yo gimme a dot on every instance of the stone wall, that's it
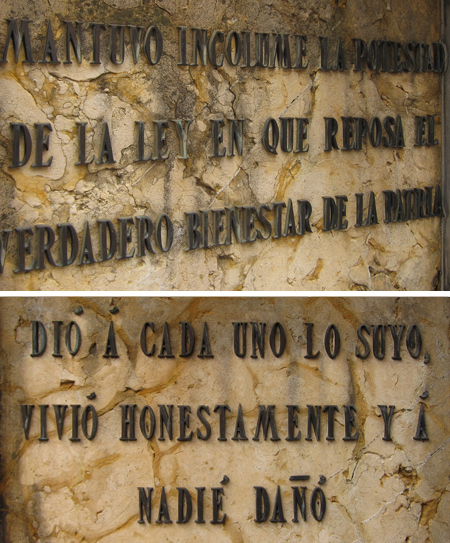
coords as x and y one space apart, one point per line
381 477
344 250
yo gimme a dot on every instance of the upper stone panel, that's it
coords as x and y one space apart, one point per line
220 146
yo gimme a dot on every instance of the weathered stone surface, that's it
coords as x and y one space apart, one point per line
375 490
394 256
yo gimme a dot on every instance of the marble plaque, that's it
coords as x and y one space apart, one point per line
185 419
191 145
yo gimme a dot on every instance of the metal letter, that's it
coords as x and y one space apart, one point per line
107 226
318 496
217 494
331 129
182 132
106 147
50 47
147 429
60 415
205 347
292 425
163 516
166 347
165 421
266 416
184 498
278 515
111 349
128 422
19 128
184 423
113 43
27 411
349 423
331 410
363 328
125 237
238 351
73 350
182 46
153 34
96 27
387 417
18 38
66 231
86 248
145 505
38 338
144 231
199 41
135 40
396 336
82 146
44 246
313 422
41 144
43 410
229 48
271 126
262 504
421 431
73 37
169 233
277 327
414 341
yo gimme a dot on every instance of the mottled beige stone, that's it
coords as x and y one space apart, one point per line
375 490
395 256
